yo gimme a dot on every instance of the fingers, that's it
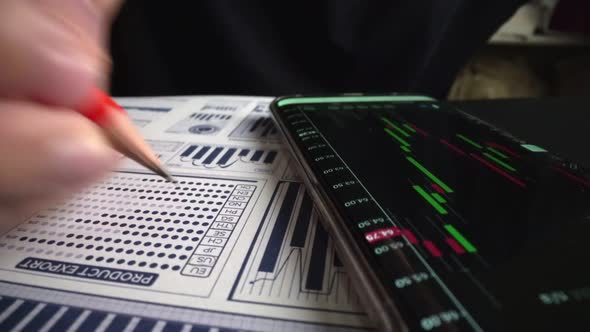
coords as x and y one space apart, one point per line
109 8
52 50
53 53
47 153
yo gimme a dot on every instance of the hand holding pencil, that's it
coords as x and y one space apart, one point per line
53 56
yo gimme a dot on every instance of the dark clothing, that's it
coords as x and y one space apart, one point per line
258 47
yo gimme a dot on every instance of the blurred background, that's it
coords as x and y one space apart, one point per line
543 50
257 48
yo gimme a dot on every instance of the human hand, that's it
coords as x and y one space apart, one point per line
52 54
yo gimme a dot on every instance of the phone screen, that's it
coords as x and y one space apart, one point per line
465 225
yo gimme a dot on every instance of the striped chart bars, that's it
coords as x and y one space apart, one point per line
210 116
27 315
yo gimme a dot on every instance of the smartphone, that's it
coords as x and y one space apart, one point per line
443 221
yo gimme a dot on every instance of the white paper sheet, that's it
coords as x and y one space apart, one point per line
236 245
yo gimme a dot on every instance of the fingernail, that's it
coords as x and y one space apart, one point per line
77 162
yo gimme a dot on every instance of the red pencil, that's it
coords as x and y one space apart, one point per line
125 138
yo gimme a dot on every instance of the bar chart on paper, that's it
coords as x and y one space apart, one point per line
228 158
258 125
292 261
201 124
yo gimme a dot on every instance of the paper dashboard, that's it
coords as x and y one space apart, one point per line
235 245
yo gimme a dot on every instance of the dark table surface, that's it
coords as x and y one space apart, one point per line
560 125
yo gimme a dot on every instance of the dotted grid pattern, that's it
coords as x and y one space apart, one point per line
131 220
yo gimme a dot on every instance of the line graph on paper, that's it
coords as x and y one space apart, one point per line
226 158
292 262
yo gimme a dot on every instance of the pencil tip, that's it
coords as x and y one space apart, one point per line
163 173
